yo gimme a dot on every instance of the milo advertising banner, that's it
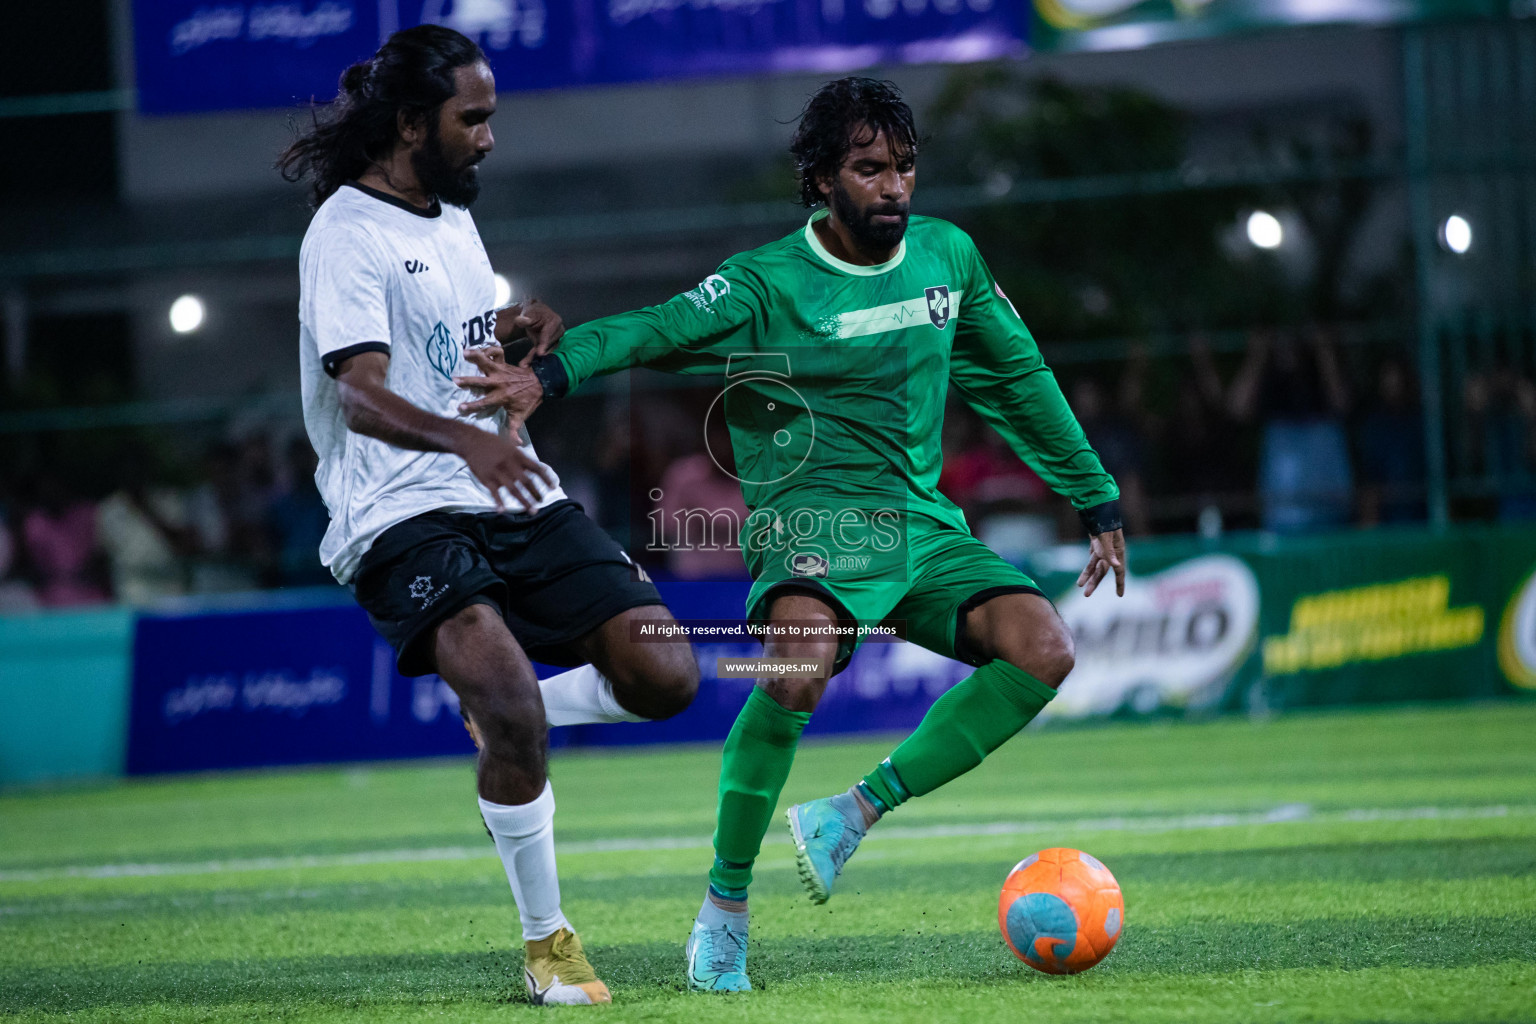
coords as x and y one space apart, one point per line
1517 636
1265 624
1181 637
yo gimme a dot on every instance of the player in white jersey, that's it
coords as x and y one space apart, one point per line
459 543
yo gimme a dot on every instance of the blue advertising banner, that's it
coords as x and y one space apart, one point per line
246 688
1384 615
200 55
191 55
284 686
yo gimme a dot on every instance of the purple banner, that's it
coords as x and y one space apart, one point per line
199 55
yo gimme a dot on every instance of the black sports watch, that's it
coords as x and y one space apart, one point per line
552 376
1099 519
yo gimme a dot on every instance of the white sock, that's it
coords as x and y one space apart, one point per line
525 838
582 696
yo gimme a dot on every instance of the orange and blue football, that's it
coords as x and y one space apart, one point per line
1061 911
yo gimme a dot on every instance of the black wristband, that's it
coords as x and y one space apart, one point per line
1101 518
552 376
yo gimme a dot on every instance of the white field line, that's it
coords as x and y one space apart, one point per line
1285 814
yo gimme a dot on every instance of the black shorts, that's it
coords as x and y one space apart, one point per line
554 575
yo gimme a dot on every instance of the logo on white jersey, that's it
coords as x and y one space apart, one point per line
442 351
938 305
416 267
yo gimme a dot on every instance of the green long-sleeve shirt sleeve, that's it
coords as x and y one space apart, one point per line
694 332
997 367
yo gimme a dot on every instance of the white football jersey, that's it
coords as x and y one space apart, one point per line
378 275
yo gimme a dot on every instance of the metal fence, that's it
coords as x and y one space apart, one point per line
1467 174
1469 94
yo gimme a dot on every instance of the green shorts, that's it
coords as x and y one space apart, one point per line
947 573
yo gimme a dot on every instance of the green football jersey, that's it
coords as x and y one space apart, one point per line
834 384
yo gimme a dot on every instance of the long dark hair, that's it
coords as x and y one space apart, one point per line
412 72
846 113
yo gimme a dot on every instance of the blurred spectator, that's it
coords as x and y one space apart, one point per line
1297 393
637 443
297 522
958 431
1392 450
985 474
253 519
1203 465
210 509
610 476
15 594
1004 502
146 537
1501 413
1116 433
702 511
212 504
256 487
59 542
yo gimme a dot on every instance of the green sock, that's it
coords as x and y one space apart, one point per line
977 715
756 761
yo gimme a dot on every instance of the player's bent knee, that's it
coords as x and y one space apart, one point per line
679 684
1049 655
794 693
798 691
824 651
669 687
506 725
1057 657
655 680
467 623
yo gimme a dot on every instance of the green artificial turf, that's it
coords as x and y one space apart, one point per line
1350 866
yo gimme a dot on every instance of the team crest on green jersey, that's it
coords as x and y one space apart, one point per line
938 305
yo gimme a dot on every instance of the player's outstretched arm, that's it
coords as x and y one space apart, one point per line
692 333
997 367
502 385
373 410
531 320
1018 395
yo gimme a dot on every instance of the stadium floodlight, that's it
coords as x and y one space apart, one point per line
1456 234
187 314
1264 230
503 291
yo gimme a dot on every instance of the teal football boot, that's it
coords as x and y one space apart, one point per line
717 955
826 832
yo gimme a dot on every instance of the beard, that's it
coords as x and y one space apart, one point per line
861 224
456 185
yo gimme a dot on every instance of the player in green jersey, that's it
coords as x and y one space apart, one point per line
837 345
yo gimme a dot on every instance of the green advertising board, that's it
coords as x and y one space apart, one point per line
1126 24
1263 623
